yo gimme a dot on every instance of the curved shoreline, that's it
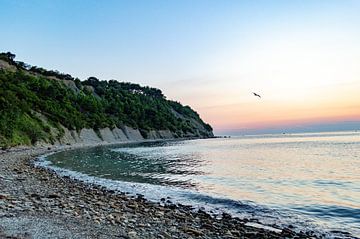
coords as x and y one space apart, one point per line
38 203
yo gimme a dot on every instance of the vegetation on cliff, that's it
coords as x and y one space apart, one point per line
28 94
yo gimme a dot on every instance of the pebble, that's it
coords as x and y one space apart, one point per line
61 197
132 234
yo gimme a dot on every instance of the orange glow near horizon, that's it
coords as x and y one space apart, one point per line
302 78
230 118
242 110
261 113
239 109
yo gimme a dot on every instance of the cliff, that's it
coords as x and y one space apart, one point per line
42 106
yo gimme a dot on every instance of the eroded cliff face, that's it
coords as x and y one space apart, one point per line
161 134
123 134
107 135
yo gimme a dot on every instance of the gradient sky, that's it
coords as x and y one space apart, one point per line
303 57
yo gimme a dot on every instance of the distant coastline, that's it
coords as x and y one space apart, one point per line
352 126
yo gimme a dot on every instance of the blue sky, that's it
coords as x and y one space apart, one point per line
208 54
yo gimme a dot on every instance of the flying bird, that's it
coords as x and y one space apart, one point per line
256 95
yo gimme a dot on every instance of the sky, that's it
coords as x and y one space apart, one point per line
302 57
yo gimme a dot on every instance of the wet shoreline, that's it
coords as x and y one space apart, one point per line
73 209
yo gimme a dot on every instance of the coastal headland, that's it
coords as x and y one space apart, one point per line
44 111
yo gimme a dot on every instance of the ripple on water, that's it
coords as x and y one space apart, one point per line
307 179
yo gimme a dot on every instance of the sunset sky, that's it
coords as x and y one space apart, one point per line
302 57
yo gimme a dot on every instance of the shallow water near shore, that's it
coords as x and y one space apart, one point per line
310 181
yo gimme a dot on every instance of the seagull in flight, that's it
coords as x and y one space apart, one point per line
256 95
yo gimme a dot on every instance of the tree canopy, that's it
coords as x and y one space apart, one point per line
32 91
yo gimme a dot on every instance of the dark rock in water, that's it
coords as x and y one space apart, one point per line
140 197
162 199
172 206
226 215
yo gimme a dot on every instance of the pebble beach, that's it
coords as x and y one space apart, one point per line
37 203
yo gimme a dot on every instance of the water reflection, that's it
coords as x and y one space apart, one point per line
143 163
316 174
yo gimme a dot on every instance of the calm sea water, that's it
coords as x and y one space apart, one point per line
311 181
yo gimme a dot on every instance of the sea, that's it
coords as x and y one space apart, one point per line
308 181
